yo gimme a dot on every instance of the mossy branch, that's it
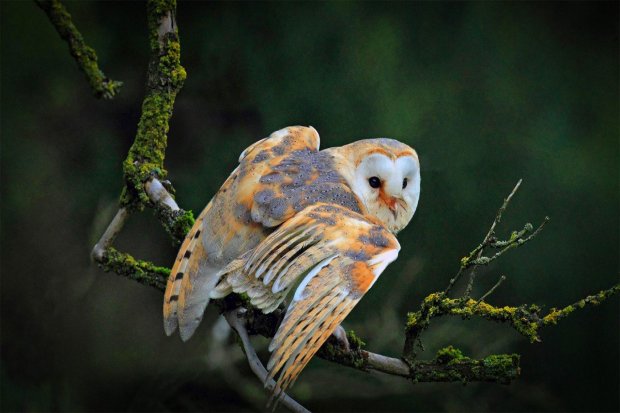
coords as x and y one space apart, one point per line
449 365
143 272
84 55
165 75
526 319
556 315
145 160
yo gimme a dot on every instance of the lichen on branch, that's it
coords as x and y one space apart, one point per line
556 315
165 77
177 223
450 365
144 163
125 265
84 55
526 319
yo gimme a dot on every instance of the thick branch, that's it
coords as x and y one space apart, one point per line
495 368
448 366
84 55
165 78
144 162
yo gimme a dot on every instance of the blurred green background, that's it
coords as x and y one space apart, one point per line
486 92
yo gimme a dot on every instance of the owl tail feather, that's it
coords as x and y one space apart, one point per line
189 284
199 280
175 280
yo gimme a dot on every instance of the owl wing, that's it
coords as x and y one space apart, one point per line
337 254
233 222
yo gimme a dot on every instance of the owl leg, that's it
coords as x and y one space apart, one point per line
341 335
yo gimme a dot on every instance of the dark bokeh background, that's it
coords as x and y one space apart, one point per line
486 92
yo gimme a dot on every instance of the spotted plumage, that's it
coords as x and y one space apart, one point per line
292 220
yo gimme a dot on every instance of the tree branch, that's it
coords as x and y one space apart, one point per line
165 75
449 365
236 320
85 56
145 160
125 265
525 319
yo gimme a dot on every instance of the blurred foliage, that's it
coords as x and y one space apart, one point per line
486 92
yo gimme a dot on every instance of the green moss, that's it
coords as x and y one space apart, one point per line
183 223
503 368
355 343
451 366
143 272
450 355
177 223
83 54
156 10
524 319
165 78
356 357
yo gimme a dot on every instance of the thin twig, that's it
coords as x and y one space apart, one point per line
165 78
514 242
556 315
488 239
85 56
501 210
488 293
237 322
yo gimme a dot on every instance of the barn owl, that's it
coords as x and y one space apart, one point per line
292 218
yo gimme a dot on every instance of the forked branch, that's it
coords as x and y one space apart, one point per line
526 319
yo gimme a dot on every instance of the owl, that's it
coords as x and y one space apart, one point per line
320 225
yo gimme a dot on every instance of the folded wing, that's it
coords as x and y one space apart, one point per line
233 223
331 256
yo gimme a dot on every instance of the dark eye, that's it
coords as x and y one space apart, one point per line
374 182
404 183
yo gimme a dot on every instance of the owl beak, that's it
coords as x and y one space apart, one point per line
390 201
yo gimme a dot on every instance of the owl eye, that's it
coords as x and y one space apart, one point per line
374 182
404 183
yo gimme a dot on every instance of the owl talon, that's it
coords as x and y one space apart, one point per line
341 336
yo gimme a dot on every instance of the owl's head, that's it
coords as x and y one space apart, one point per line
385 175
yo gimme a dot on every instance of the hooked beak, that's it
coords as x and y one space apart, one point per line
390 201
392 204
